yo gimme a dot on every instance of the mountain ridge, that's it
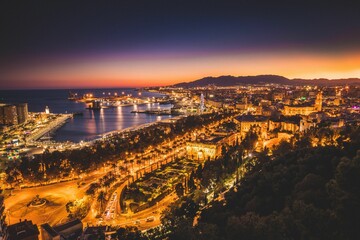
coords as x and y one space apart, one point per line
228 80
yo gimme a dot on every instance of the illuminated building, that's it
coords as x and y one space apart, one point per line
243 105
257 123
13 114
209 148
290 110
215 104
8 115
298 110
22 112
202 103
265 103
278 96
287 124
47 110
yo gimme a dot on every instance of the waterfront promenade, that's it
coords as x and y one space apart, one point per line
53 125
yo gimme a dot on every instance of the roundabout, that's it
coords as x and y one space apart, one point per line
37 202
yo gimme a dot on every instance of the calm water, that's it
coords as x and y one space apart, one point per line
92 123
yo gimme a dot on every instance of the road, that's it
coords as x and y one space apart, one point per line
140 219
123 219
57 195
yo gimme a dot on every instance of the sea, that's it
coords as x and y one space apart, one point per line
92 123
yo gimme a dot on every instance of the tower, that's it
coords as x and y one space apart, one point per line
22 112
47 110
202 103
318 102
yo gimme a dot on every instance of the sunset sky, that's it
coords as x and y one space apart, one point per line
81 44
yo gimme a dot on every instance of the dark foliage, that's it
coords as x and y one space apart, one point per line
306 193
67 163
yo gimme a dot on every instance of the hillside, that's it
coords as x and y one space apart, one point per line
261 79
304 193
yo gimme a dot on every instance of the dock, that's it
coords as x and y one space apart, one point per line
154 111
60 121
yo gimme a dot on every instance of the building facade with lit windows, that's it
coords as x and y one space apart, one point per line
210 148
285 123
11 114
290 110
257 123
22 112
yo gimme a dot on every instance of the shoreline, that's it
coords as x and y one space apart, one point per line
111 133
133 128
52 126
117 131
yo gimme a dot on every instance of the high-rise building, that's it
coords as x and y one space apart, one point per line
8 114
22 112
2 120
13 114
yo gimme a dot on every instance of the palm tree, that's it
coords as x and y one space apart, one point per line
126 161
132 164
16 174
10 180
113 165
101 199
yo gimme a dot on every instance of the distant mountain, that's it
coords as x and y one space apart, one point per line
225 81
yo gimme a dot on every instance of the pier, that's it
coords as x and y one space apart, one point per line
58 122
154 111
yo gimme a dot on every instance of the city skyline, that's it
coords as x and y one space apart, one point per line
172 120
61 45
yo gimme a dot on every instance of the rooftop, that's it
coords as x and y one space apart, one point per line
49 230
252 118
62 227
22 230
289 119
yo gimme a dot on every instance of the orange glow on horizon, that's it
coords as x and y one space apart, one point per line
158 71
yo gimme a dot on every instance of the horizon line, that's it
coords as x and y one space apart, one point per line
136 87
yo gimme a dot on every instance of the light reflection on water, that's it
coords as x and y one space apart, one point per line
92 123
96 122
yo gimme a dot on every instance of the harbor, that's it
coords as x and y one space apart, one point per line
154 111
52 125
114 99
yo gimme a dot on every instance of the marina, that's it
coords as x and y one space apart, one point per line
87 124
154 111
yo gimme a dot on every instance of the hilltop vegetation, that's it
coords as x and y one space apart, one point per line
308 189
304 193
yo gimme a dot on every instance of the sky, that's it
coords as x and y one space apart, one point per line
96 44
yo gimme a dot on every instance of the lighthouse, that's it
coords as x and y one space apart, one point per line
47 110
